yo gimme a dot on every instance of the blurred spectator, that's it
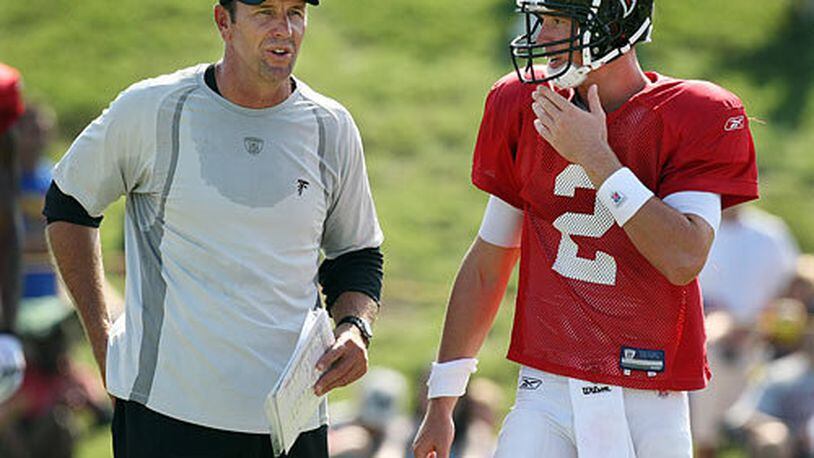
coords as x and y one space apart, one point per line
783 325
802 285
476 419
775 415
751 263
41 307
39 422
12 361
379 427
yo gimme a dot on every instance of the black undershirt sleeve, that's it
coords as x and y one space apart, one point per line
360 271
62 207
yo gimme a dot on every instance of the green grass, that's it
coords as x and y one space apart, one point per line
414 74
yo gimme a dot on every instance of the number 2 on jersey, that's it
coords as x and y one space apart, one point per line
601 269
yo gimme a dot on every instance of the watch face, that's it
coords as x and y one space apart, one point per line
360 323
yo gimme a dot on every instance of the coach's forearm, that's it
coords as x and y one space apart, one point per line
77 253
475 299
352 303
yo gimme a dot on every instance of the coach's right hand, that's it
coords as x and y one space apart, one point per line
434 437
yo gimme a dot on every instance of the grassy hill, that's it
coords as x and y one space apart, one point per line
414 74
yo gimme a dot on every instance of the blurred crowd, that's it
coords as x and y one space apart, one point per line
759 302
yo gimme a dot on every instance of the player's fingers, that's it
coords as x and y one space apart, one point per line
544 131
594 103
423 448
556 99
543 114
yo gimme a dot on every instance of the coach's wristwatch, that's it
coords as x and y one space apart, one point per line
361 324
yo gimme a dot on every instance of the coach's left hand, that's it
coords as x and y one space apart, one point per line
579 136
345 362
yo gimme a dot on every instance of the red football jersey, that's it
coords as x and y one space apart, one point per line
11 102
589 305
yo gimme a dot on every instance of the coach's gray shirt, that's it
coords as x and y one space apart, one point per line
227 211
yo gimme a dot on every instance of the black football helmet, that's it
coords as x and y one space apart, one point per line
601 30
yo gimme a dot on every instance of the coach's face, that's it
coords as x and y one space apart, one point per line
266 38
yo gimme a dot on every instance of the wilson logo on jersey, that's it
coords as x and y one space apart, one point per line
735 123
589 390
530 383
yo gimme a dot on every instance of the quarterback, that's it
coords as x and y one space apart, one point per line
607 182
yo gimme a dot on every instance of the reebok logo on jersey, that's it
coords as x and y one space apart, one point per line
302 185
530 383
735 123
591 390
618 198
253 145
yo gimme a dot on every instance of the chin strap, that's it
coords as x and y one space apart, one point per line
572 77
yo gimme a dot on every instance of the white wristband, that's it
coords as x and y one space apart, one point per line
449 379
623 194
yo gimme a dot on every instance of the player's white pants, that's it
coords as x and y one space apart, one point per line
541 422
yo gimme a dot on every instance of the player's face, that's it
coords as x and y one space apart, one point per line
267 37
555 28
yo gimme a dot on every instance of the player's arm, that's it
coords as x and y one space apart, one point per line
476 295
73 237
9 235
676 244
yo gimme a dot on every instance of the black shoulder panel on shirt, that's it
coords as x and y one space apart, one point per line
62 207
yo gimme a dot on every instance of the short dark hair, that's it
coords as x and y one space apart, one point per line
230 6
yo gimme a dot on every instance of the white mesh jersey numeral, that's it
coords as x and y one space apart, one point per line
602 269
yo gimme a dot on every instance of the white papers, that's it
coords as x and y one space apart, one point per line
292 402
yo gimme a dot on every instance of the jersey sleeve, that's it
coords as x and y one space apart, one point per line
351 223
493 164
109 158
11 102
716 154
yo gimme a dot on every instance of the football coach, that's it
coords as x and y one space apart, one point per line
237 177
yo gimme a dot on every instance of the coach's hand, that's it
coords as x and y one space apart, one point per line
345 362
579 136
434 437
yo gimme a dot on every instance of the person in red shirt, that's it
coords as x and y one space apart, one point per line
608 183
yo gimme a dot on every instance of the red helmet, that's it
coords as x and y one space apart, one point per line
11 100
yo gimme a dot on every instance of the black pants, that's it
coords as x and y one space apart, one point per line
138 432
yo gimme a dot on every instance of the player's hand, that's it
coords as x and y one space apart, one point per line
434 437
12 366
345 362
580 136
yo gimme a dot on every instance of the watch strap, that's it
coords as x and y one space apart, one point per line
361 324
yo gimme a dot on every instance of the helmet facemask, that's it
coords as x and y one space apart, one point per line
601 31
